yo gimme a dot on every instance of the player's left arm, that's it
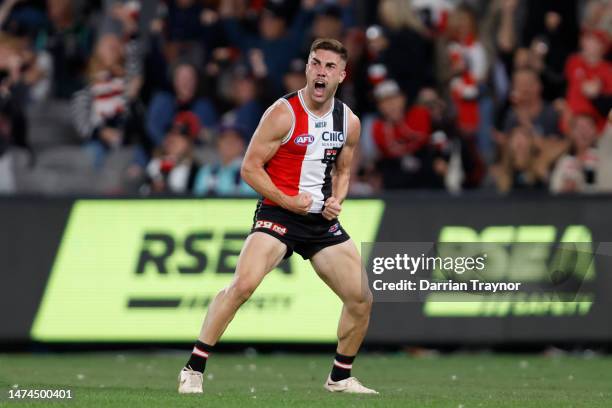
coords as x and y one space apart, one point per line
342 170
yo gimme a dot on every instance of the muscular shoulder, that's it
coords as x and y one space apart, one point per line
276 121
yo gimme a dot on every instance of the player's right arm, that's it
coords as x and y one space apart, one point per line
275 123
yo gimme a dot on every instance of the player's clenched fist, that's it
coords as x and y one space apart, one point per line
299 204
332 208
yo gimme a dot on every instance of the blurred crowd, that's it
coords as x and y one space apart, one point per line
162 96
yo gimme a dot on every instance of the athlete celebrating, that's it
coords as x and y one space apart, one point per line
299 160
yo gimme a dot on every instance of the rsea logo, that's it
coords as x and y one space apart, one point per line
531 254
195 253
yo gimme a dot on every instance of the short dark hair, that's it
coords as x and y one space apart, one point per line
330 44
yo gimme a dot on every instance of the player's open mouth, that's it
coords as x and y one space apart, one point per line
319 88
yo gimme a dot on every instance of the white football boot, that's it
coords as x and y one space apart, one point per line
190 381
350 385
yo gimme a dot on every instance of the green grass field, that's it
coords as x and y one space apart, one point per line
148 380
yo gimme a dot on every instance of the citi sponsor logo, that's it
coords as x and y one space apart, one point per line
304 140
333 136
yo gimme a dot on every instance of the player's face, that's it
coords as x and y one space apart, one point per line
324 71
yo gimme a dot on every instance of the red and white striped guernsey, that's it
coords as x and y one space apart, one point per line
304 161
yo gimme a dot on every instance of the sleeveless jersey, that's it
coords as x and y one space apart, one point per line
304 161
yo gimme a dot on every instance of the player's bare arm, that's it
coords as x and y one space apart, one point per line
273 127
342 170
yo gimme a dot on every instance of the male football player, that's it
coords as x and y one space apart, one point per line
299 160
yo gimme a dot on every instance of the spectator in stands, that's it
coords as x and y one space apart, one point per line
531 34
183 22
576 171
598 15
173 168
528 108
295 77
165 105
22 18
589 77
247 108
545 47
12 132
68 41
550 35
327 23
8 169
105 113
223 177
278 43
549 28
17 73
533 58
542 53
408 158
404 42
189 30
355 90
468 169
499 28
29 71
469 68
525 161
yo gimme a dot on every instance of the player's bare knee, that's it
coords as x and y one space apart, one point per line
367 305
360 307
241 290
367 299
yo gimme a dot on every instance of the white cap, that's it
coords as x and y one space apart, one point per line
386 89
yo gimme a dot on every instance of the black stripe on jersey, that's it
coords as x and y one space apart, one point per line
338 119
290 95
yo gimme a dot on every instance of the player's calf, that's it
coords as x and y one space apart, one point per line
354 323
351 330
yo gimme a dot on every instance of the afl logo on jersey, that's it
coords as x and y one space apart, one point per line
332 136
303 140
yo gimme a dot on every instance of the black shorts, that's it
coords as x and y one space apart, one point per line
304 234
